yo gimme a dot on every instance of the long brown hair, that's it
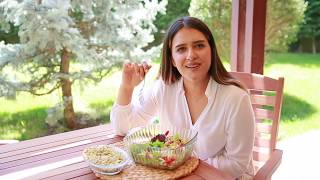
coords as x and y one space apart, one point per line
170 74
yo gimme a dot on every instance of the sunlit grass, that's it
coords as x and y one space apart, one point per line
24 118
301 107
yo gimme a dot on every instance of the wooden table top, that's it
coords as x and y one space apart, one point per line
59 156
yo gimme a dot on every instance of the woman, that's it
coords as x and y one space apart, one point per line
193 91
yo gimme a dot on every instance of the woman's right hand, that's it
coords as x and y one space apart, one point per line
133 74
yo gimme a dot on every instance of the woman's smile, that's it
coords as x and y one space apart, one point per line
193 66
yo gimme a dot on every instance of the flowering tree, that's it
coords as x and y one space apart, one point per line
62 41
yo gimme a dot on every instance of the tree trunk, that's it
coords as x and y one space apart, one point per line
314 51
68 113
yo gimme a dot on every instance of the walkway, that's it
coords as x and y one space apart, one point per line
301 157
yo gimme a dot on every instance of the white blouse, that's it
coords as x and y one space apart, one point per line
225 126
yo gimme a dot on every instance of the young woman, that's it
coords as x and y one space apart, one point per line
193 91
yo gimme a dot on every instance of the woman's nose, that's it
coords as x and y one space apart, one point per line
190 55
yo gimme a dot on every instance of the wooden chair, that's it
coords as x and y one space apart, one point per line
266 97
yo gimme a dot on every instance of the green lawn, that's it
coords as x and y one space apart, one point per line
301 104
24 118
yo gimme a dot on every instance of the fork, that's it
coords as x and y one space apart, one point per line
141 98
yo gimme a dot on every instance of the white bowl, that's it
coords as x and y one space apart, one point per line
104 164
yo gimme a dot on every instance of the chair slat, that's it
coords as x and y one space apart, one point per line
259 142
256 81
263 136
263 99
263 113
261 149
263 128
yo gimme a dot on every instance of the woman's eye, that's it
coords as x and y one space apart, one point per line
200 45
181 49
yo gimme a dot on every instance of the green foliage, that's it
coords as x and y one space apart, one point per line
311 25
281 26
310 30
174 9
283 22
217 15
11 36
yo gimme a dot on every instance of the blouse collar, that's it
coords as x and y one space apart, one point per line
210 90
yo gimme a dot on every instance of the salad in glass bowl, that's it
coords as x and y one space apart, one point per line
159 146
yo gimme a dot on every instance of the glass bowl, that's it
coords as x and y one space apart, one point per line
105 159
137 141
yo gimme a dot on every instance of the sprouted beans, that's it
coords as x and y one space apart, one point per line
103 155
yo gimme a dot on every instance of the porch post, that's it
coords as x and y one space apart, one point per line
248 35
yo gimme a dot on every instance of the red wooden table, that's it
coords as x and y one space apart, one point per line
59 156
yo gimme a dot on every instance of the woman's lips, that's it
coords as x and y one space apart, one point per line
193 65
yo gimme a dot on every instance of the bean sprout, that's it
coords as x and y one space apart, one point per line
103 155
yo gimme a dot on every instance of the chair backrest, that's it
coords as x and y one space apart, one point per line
266 98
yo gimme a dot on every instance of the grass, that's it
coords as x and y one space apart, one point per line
24 118
301 107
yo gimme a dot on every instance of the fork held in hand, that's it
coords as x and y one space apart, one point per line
141 98
146 68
